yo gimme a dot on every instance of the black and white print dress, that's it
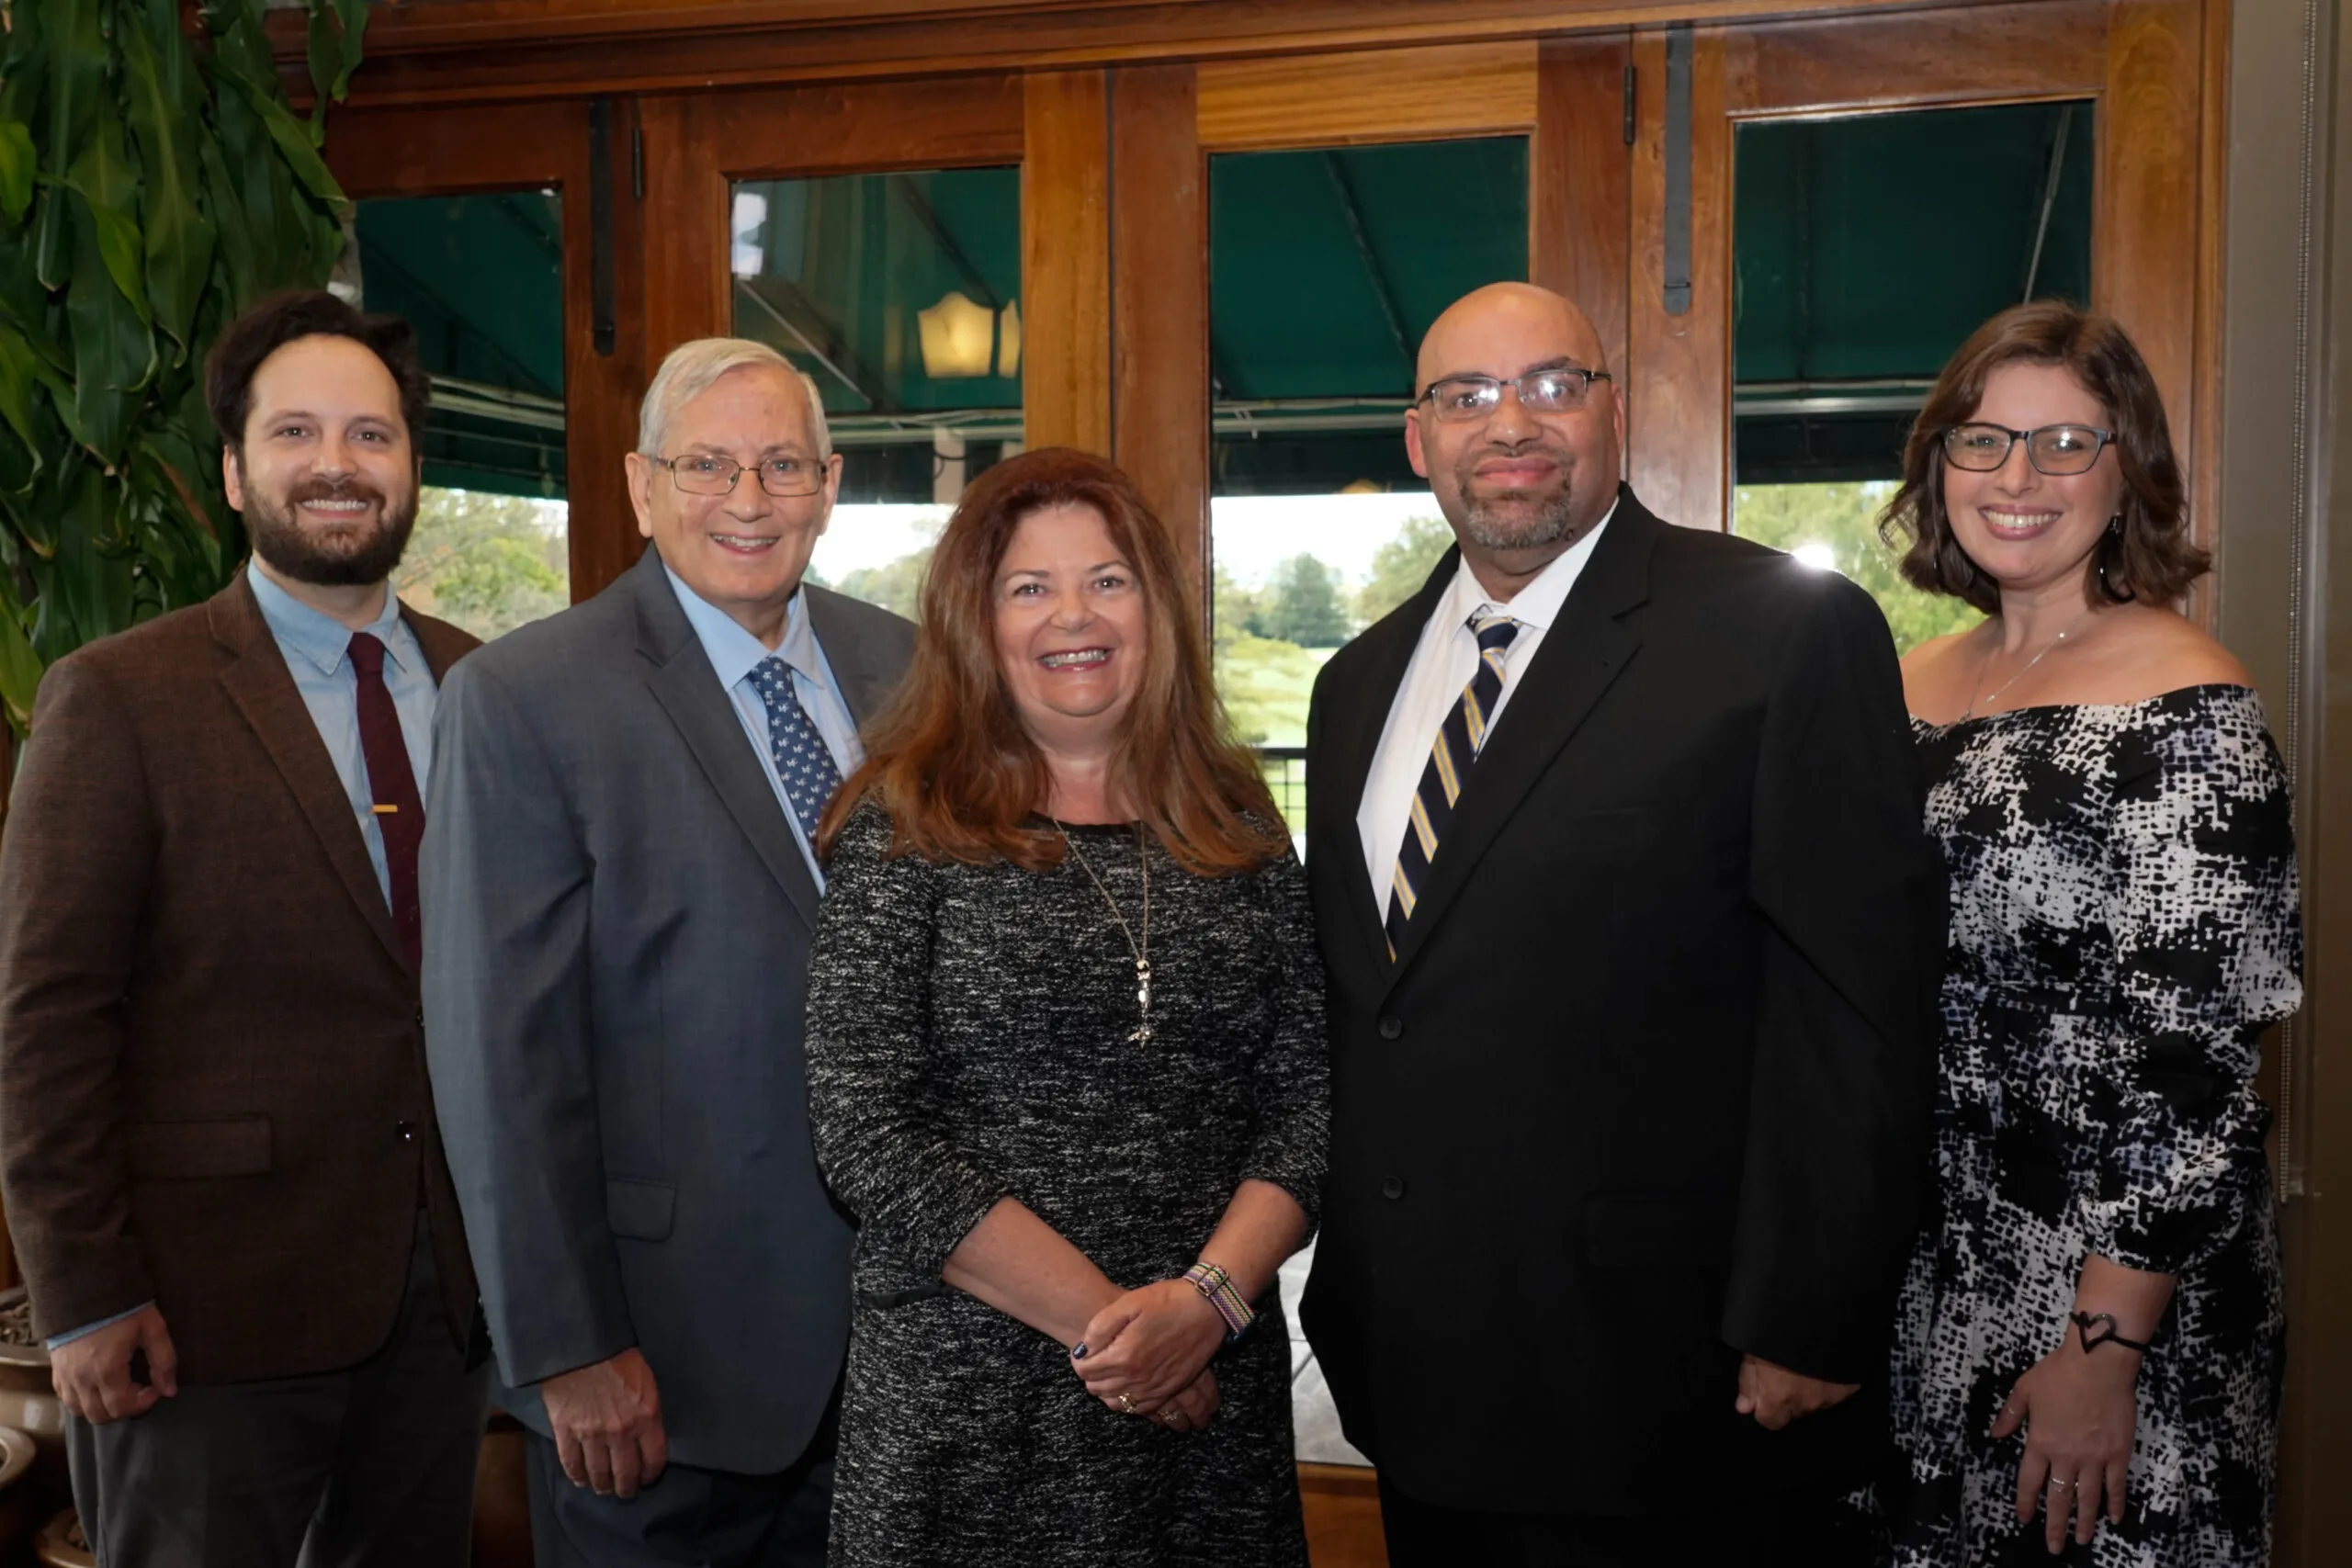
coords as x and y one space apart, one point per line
2123 927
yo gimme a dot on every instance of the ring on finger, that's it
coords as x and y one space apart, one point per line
1126 1405
2058 1485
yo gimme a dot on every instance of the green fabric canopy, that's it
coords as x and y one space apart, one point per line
1866 249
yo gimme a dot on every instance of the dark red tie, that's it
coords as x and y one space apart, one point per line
392 784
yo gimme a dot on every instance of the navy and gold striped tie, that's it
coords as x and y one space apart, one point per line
1459 740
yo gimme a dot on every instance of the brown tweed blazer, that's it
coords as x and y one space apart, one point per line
213 1081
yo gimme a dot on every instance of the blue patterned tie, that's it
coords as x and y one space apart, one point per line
803 761
1459 740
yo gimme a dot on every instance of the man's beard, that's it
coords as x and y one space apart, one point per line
1493 527
335 560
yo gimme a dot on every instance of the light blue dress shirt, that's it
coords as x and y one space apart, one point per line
318 655
735 653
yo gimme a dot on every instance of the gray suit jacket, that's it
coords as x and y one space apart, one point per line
617 929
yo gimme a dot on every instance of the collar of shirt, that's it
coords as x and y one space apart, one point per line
735 652
1535 606
317 637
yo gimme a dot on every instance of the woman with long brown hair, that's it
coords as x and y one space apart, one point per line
2091 1329
1067 1066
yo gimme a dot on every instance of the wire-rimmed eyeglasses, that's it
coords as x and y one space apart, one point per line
707 473
2052 449
1559 391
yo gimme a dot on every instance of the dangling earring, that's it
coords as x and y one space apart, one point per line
2107 546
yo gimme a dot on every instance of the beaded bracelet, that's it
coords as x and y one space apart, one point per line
1214 1284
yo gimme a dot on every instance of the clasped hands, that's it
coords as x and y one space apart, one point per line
1147 1353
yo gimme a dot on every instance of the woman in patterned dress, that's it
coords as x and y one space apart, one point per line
2091 1329
1066 1050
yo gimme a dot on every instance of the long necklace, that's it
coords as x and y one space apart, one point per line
1141 1033
1995 695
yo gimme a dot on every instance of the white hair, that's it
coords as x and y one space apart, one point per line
689 372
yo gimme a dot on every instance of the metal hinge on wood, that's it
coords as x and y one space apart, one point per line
1677 271
604 331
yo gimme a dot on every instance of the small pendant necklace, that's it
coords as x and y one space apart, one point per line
1141 1033
1995 695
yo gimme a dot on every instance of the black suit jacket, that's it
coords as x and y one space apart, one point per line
1647 1084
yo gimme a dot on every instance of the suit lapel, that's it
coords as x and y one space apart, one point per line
443 644
1580 658
864 683
1353 739
263 688
686 686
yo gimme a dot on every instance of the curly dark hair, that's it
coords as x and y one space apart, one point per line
2151 558
237 357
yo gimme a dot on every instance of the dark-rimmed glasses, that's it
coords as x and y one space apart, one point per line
707 473
1460 397
2052 449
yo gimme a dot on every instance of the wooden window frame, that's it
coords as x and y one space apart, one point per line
479 149
1123 100
1566 95
2148 65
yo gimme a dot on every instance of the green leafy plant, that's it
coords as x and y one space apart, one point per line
152 185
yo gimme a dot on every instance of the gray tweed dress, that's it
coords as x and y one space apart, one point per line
968 1041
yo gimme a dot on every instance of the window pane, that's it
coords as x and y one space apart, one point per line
480 277
1324 268
899 295
487 561
1834 349
1835 528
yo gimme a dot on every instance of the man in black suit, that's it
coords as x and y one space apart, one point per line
1630 926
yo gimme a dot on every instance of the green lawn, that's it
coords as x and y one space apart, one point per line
1265 686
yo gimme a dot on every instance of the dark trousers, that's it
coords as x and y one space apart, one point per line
368 1467
1792 1530
689 1519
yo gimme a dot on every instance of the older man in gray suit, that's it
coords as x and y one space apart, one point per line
618 897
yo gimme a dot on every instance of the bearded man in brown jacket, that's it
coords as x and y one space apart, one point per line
217 1140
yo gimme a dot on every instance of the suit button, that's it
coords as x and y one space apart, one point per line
407 1130
1391 1027
1391 1187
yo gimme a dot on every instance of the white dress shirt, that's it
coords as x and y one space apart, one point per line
1444 661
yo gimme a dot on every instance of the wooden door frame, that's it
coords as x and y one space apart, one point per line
1167 120
483 148
1113 109
460 51
2153 69
698 144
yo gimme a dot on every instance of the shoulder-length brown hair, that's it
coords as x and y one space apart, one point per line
2151 558
949 760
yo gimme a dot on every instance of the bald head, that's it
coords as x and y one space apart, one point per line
1519 485
1488 331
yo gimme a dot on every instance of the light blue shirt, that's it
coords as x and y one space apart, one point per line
318 655
735 653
